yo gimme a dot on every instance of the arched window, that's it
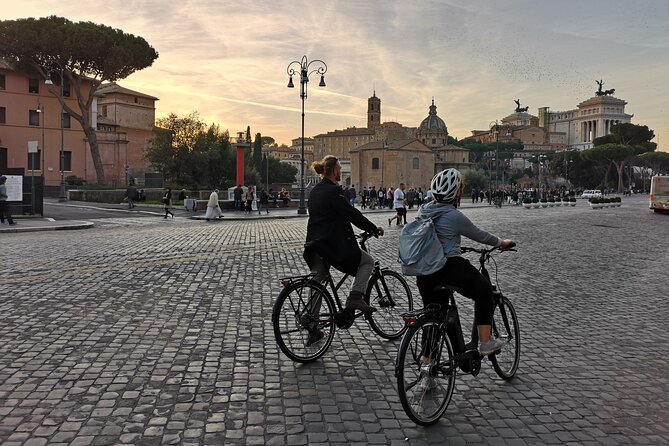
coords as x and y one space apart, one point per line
375 163
416 163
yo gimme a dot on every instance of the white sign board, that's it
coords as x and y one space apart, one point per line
32 146
14 187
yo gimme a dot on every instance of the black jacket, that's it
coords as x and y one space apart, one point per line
329 230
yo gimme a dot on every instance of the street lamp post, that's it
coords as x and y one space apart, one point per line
495 126
303 67
61 194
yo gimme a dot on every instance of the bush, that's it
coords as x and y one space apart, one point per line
74 180
527 200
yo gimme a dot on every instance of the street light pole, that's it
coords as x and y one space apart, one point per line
304 72
495 125
61 196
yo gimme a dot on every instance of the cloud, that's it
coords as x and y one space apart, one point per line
228 59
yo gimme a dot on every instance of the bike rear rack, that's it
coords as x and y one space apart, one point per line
287 281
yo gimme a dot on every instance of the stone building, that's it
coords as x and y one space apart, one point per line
560 130
591 119
386 164
125 123
382 143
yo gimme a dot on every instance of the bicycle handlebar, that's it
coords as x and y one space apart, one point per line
465 249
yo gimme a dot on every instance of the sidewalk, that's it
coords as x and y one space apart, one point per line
31 224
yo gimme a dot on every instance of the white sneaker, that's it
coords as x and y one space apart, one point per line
493 345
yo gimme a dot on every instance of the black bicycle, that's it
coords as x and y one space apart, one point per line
433 349
305 306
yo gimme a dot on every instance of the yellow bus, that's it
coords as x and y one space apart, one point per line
659 193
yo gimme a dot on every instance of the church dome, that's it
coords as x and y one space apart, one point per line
433 131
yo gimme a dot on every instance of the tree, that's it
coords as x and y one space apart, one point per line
658 162
85 53
257 151
615 154
268 141
188 153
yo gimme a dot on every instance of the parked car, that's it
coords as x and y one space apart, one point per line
591 193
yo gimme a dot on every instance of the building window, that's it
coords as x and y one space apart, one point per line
416 163
66 161
66 88
33 118
2 81
3 115
434 140
33 85
34 160
66 121
375 163
103 110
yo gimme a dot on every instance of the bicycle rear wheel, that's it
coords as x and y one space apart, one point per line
302 313
505 327
391 296
425 389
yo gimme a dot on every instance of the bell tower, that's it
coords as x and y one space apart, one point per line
373 112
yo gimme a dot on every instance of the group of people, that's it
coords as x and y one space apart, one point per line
244 199
330 241
382 197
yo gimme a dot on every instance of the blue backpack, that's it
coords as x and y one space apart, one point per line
420 252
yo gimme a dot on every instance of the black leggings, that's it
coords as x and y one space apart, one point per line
460 273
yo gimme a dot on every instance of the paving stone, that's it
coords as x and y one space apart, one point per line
139 333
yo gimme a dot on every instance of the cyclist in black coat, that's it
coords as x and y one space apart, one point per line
330 237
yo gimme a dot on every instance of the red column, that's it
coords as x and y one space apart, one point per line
240 164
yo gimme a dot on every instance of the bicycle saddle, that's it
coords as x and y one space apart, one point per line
447 288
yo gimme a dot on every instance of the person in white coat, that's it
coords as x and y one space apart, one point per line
213 208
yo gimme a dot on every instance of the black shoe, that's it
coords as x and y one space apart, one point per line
315 335
355 301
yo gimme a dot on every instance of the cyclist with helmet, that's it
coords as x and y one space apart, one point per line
450 225
330 237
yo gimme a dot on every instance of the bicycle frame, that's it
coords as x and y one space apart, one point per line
375 278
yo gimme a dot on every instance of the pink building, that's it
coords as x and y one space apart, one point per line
31 114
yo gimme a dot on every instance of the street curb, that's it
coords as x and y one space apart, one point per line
71 225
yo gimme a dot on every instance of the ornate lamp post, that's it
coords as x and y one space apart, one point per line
303 67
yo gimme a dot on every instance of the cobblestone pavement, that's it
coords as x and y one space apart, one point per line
146 331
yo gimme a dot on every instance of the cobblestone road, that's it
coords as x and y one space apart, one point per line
151 332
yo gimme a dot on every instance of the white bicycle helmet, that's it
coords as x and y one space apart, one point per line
447 184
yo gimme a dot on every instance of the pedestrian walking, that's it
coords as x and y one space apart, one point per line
4 209
264 201
399 203
167 202
213 207
249 200
131 196
237 194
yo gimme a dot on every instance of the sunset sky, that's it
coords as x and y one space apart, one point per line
227 59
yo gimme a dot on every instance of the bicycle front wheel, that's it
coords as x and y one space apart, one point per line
303 321
505 327
425 371
391 296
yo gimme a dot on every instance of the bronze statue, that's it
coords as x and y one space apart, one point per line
518 108
601 92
